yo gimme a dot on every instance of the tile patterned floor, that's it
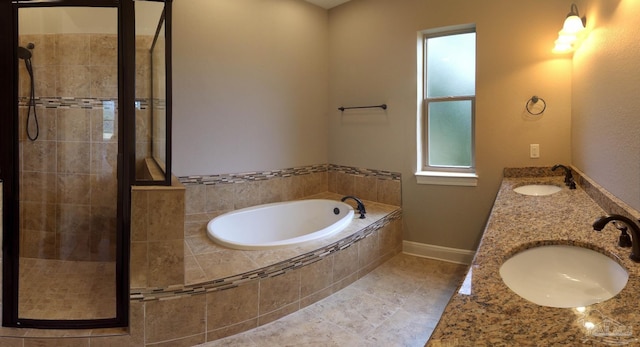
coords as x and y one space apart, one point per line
59 289
397 304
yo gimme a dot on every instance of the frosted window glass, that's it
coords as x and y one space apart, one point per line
450 126
451 65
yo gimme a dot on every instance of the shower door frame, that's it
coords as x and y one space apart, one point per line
9 161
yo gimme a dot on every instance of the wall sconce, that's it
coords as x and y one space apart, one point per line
571 30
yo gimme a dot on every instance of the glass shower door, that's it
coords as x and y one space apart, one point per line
68 157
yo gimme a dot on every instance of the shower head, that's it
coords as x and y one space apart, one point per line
24 53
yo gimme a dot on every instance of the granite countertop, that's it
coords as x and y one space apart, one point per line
485 312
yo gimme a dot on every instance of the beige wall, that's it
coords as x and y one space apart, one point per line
606 123
373 60
257 85
250 85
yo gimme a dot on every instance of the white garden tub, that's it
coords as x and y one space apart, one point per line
279 224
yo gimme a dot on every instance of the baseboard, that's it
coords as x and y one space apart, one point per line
452 255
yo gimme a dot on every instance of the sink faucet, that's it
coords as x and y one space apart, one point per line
568 177
361 208
635 232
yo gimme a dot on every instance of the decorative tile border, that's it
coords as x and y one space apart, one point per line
72 102
251 176
380 174
297 171
172 292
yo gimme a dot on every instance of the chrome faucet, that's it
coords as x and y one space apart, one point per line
568 177
635 232
361 208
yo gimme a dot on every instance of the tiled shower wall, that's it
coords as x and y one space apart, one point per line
68 175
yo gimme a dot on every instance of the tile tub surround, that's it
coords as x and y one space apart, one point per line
274 283
486 312
210 196
206 261
267 285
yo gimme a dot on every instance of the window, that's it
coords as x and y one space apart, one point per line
446 153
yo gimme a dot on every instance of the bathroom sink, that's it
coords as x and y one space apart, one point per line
563 276
537 189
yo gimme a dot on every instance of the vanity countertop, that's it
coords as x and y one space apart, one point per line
485 312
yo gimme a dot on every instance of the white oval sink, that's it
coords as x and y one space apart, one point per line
563 276
537 189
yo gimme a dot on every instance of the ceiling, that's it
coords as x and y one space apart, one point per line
327 4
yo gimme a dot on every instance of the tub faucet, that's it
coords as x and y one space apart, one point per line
633 227
568 177
361 208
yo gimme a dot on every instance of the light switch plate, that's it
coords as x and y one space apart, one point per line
534 150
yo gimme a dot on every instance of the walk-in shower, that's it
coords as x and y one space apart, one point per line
76 126
69 215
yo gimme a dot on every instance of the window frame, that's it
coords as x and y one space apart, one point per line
441 175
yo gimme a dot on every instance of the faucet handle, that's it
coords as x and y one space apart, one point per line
625 239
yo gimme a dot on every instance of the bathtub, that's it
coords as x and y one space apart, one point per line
279 224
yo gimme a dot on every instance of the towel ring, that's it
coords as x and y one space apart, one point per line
534 100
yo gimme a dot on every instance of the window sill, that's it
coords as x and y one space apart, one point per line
447 178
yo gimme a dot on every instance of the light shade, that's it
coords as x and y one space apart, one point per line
562 47
565 38
572 25
571 29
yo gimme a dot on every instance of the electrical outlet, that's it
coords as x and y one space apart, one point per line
534 150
